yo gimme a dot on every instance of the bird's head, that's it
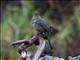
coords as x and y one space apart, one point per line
36 15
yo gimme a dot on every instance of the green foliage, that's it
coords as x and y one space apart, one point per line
16 25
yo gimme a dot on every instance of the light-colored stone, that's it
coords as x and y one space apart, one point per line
74 58
50 58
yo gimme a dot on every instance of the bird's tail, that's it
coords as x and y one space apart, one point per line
50 43
51 33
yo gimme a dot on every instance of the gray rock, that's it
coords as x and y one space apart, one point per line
74 58
47 57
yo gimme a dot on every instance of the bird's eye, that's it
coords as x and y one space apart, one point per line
35 14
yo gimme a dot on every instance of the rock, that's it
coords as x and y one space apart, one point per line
47 57
74 58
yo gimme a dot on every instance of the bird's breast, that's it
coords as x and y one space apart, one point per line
37 26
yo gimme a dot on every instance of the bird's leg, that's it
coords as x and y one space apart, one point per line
39 33
42 34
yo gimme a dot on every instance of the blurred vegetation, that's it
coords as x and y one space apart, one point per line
16 24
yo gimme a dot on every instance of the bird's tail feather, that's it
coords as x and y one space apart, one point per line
50 43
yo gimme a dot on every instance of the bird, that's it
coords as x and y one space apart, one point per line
41 26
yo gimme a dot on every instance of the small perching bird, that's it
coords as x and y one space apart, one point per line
41 26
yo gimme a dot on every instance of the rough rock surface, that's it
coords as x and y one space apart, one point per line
50 58
74 58
57 58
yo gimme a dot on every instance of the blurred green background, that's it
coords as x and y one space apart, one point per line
16 18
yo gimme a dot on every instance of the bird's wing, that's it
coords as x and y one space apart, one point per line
43 25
